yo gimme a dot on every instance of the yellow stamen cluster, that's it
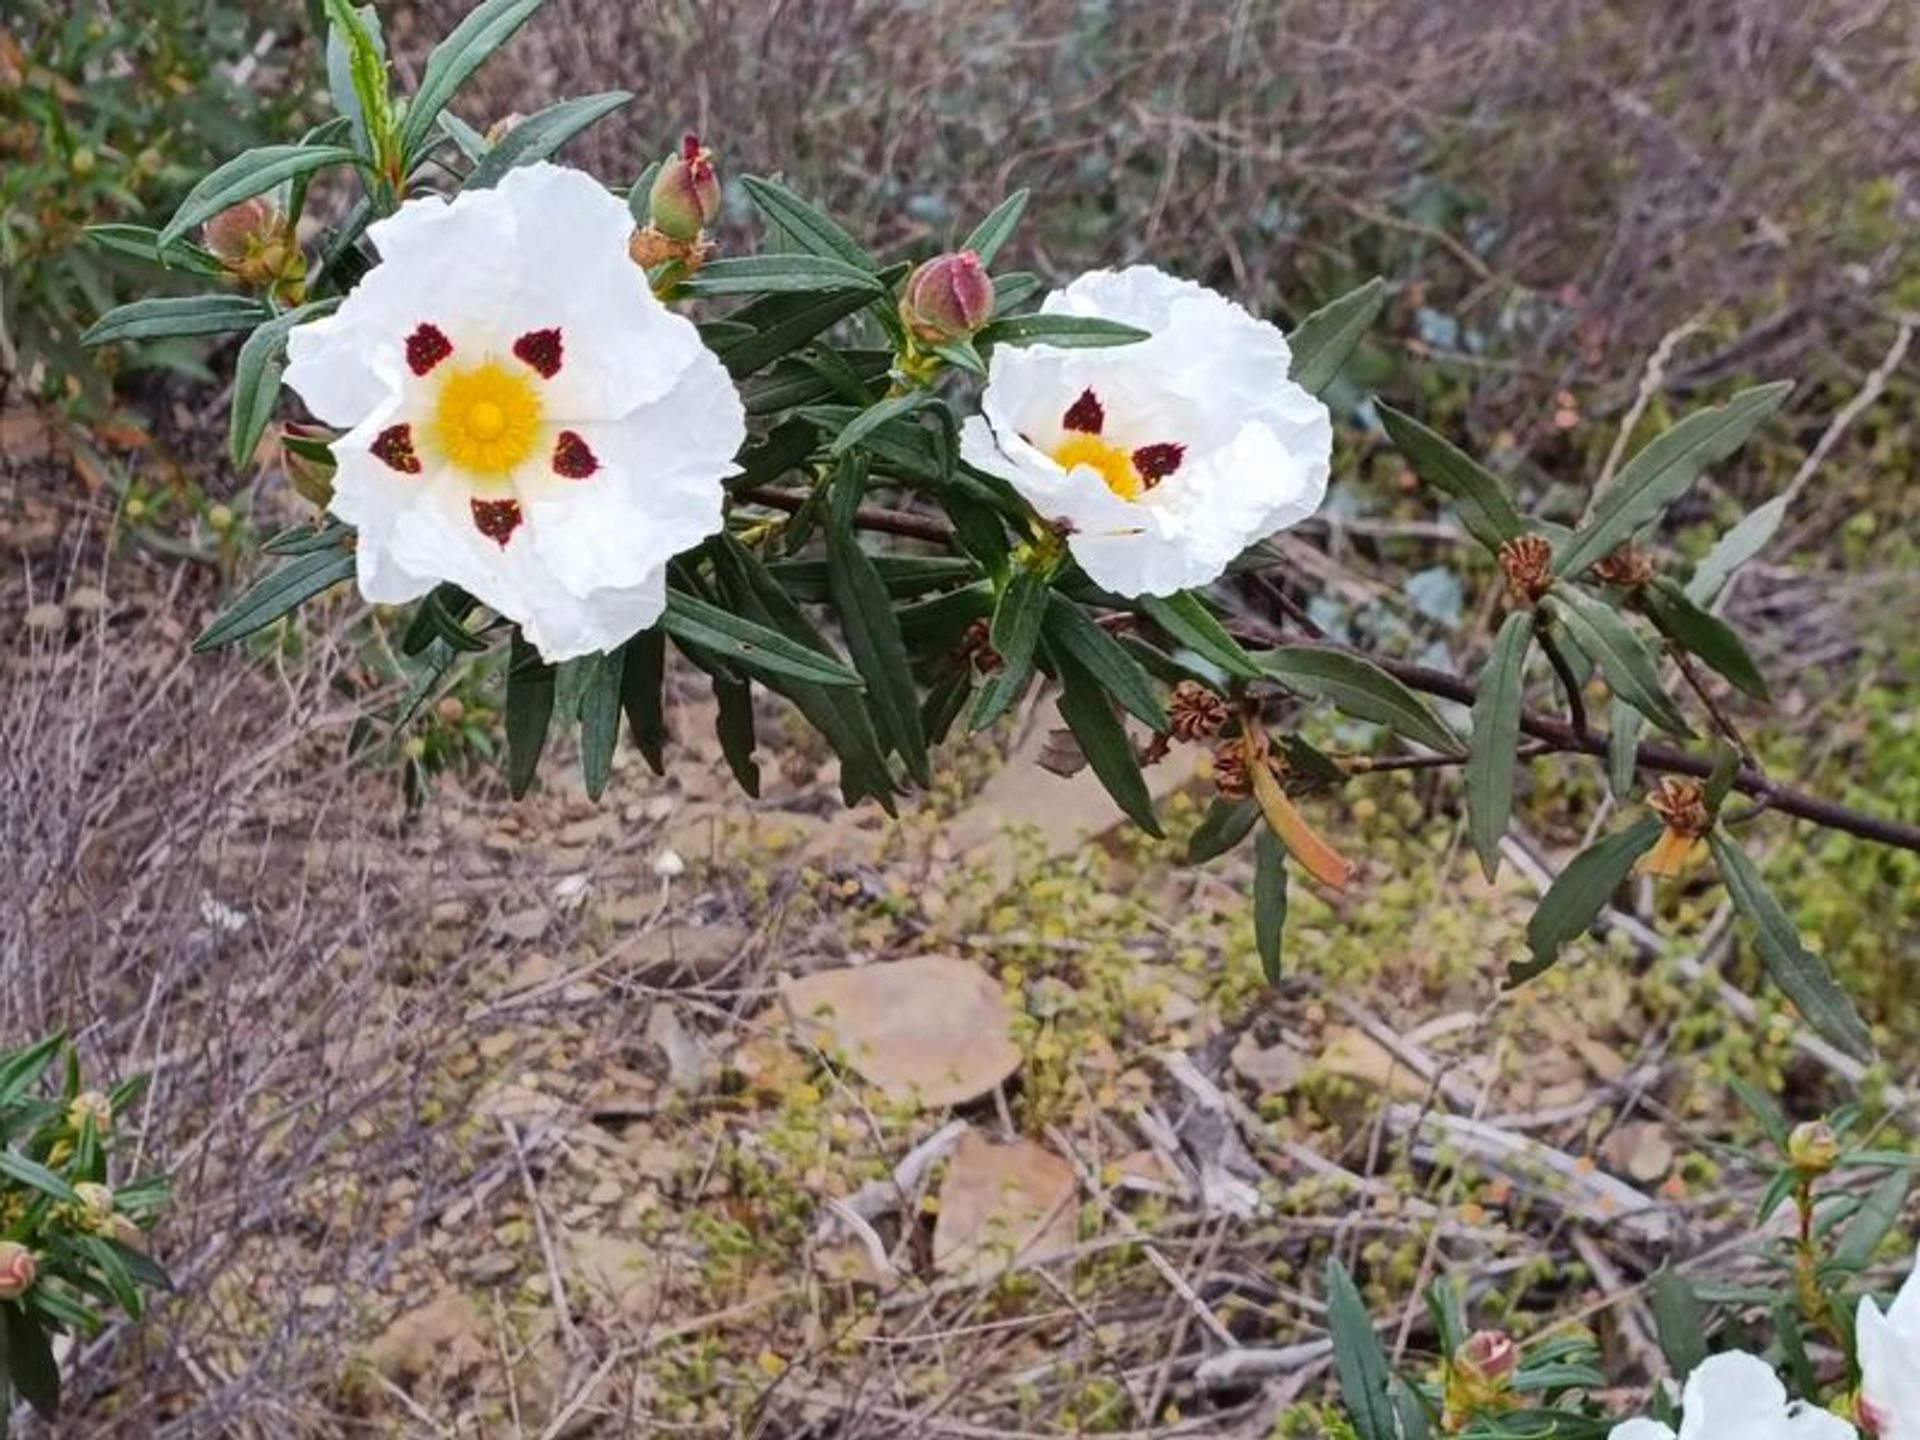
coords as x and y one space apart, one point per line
487 420
1114 465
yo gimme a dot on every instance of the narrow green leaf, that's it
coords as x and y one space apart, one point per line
1412 1407
1012 290
34 1175
357 73
118 1282
928 623
812 229
1495 739
794 382
1069 628
442 615
1579 892
1061 331
1104 741
530 694
873 638
143 242
640 196
1481 499
991 233
1187 619
1876 1218
753 646
642 685
1224 826
1803 976
1763 1108
946 698
1734 549
472 143
256 379
600 722
1624 729
733 724
874 416
1014 633
902 575
282 590
1269 901
30 1363
22 1068
541 134
1358 1359
781 332
1662 472
167 317
246 175
485 29
1324 340
962 356
1361 689
779 274
1702 633
1623 657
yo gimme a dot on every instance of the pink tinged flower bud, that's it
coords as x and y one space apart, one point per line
686 192
947 298
17 1269
1813 1148
240 231
1488 1355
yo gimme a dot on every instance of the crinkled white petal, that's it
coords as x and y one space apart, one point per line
1640 1429
546 249
1212 378
1889 1353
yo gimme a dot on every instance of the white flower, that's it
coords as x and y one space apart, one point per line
523 417
1737 1396
1162 460
1889 1349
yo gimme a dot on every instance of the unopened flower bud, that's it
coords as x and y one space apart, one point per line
1629 567
1812 1148
947 298
256 242
18 1269
1489 1356
1195 712
236 229
91 1105
1527 561
686 192
94 1210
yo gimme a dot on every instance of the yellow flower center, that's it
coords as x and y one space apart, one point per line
1114 464
487 420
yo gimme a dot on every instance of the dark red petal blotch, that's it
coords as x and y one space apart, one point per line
1156 462
573 458
497 519
1086 414
427 346
394 446
542 350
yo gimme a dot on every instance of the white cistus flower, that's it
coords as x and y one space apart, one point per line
524 418
1737 1396
1160 460
1888 1345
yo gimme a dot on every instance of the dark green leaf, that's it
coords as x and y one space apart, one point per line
811 229
943 618
1327 337
1224 826
1803 976
1061 331
902 575
1623 657
1358 1358
642 681
1104 741
442 616
1624 728
873 638
166 317
961 355
1013 290
281 591
734 726
946 698
1876 1218
753 646
1068 627
530 694
247 175
779 274
256 379
1495 739
1185 617
1739 545
1014 633
876 415
143 242
1662 472
542 133
1726 771
485 29
600 722
23 1067
991 233
1481 499
1579 892
1763 1109
640 196
33 1174
1269 901
1412 1407
30 1363
1700 632
1361 689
